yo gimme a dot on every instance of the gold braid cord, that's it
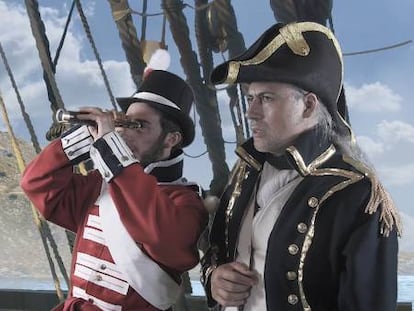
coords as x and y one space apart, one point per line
380 198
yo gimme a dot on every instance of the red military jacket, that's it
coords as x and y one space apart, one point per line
163 214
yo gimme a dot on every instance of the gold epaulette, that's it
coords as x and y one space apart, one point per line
379 199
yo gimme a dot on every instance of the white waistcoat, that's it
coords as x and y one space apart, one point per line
274 190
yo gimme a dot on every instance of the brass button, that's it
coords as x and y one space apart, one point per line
103 266
70 153
293 249
293 299
291 275
90 300
313 202
106 174
302 227
98 278
124 158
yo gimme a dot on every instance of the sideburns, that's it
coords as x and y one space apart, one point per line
155 152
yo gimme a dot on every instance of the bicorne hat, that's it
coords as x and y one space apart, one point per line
304 54
168 93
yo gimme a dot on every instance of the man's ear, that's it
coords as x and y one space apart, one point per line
172 139
310 101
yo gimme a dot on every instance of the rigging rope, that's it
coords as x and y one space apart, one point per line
26 117
95 51
122 13
129 39
40 223
42 44
236 46
144 20
45 226
207 110
62 39
379 49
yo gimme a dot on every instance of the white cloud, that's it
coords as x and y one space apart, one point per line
79 80
374 97
370 147
397 175
396 132
16 39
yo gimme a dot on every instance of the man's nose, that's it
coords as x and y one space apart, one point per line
254 110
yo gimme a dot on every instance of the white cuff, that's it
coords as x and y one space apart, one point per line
110 154
76 143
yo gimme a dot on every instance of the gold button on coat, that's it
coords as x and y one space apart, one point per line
313 202
293 299
302 227
291 275
293 249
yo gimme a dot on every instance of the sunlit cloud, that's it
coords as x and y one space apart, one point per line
374 97
371 147
397 174
396 132
79 80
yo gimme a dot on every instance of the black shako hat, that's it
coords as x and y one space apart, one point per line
304 54
168 93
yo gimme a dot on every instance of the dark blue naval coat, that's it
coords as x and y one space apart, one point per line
334 246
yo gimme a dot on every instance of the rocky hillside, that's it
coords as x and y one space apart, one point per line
22 253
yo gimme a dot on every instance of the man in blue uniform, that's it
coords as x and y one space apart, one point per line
304 223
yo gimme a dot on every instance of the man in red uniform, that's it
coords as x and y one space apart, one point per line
136 218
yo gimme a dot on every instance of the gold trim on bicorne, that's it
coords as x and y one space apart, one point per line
350 178
379 198
295 33
295 40
306 170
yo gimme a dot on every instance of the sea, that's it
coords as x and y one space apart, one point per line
405 286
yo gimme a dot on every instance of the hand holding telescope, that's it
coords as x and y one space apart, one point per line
71 118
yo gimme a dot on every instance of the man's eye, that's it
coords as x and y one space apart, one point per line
249 99
266 99
133 124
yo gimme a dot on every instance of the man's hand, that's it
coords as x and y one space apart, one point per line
104 120
231 283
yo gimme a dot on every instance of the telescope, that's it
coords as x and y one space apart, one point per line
71 118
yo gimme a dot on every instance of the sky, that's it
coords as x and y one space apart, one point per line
378 85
